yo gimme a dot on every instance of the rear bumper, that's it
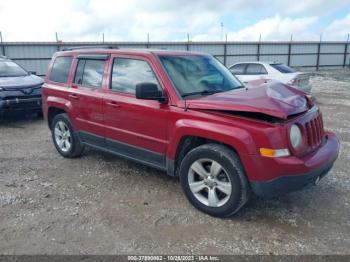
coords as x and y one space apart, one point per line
295 174
20 105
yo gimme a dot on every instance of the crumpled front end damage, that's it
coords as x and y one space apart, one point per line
271 98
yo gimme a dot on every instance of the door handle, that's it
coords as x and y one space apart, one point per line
74 96
113 104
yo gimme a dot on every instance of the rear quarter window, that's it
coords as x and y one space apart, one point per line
60 69
283 68
256 69
238 69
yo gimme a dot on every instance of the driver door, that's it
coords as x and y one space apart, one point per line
136 127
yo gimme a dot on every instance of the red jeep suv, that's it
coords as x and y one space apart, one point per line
186 114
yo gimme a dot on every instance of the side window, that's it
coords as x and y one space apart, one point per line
60 69
127 73
238 69
256 69
89 73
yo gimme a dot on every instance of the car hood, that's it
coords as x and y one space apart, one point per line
20 81
271 98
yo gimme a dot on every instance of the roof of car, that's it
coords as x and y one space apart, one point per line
256 62
129 51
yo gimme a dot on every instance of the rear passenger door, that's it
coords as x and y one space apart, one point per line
135 128
86 97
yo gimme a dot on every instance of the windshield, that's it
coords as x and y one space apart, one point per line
283 68
9 68
198 74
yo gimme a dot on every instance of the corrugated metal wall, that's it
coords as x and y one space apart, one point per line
36 56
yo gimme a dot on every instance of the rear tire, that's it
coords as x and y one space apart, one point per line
65 139
213 180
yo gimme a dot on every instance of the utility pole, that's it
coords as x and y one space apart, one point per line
225 50
2 45
346 52
58 42
318 53
258 48
147 45
222 31
188 42
103 37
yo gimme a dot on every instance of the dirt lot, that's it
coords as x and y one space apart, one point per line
101 204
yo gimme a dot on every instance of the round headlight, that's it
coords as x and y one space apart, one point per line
295 136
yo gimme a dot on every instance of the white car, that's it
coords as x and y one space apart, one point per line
249 71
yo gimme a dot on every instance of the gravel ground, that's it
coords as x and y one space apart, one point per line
102 204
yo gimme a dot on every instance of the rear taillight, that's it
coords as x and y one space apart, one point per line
294 81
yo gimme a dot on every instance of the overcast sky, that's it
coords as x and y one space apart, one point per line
171 20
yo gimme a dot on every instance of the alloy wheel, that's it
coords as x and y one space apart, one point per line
63 136
209 182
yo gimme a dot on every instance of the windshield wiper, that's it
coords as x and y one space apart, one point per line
203 93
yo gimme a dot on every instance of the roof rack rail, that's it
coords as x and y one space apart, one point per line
90 47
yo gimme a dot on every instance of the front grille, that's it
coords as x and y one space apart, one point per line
314 132
20 97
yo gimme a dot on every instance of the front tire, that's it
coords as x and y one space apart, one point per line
64 137
213 180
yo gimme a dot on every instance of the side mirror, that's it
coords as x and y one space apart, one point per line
32 72
150 91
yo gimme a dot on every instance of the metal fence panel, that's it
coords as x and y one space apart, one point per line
235 59
30 51
332 48
214 49
242 49
134 46
220 58
303 48
327 60
303 60
275 58
274 49
179 47
39 66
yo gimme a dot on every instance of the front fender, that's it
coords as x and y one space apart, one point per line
235 137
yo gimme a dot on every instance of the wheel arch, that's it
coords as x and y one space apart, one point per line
185 138
55 106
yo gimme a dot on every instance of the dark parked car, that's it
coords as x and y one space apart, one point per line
20 90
